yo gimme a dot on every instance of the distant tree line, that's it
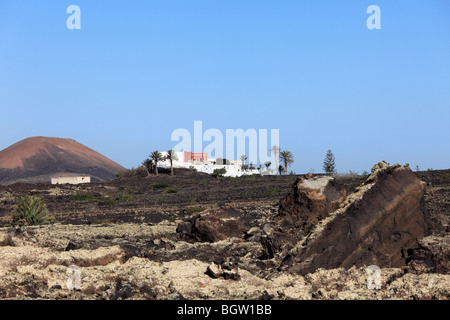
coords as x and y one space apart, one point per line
285 158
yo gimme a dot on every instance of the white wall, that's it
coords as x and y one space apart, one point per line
233 170
71 180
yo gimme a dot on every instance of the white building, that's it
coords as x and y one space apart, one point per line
71 180
202 163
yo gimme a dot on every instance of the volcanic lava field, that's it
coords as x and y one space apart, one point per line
195 236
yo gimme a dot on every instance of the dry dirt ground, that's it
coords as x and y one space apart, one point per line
121 236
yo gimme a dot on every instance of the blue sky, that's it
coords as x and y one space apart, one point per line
138 70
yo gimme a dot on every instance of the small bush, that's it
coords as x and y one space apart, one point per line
123 197
133 189
82 197
126 173
160 185
219 172
110 202
31 210
191 210
172 190
273 191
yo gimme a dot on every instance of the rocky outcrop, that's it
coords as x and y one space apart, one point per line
375 225
224 267
212 226
5 239
41 257
310 200
432 254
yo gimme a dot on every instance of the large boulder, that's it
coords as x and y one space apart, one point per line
213 226
310 200
376 225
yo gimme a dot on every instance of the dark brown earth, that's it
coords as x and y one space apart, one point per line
152 199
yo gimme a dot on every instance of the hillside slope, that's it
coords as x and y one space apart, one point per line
37 159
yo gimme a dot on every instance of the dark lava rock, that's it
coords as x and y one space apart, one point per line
225 267
375 225
212 227
72 245
431 255
310 200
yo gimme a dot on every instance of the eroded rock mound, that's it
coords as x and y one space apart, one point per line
309 201
212 226
375 225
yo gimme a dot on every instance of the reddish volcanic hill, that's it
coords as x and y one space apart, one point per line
37 159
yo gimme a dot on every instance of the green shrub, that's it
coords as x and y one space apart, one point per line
172 190
110 202
160 185
133 189
31 210
82 197
191 210
219 172
126 173
273 191
123 197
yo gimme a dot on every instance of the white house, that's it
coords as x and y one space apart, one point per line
202 163
71 180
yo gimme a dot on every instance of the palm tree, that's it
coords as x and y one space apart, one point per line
287 158
280 169
172 156
156 156
148 164
276 151
243 158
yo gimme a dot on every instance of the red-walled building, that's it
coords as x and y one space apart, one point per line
199 157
